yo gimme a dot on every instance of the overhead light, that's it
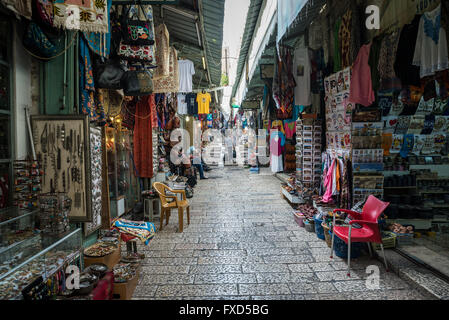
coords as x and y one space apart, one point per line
188 119
204 63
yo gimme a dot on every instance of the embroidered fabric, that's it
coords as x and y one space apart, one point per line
431 50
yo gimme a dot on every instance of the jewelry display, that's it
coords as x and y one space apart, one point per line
96 169
54 212
28 179
64 140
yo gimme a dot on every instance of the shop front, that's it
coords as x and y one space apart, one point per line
85 130
355 112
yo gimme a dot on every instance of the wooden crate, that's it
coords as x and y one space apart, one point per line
125 291
110 260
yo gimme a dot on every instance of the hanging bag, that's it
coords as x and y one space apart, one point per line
108 74
137 32
137 83
139 50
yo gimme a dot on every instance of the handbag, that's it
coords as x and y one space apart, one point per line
136 31
37 42
137 83
137 40
109 75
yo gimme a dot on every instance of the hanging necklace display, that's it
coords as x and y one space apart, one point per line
64 138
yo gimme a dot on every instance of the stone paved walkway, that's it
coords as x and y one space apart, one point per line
243 243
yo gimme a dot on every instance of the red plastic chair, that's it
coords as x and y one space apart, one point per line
369 232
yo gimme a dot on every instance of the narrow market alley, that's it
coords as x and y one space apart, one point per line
241 244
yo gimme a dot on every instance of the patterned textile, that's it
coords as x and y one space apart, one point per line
387 56
44 10
344 36
162 52
284 83
100 43
88 103
152 102
20 7
169 83
128 113
145 231
83 15
143 140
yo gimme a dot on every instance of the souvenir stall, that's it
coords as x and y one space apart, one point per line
384 123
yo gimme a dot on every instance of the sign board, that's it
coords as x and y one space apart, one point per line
251 104
266 71
144 2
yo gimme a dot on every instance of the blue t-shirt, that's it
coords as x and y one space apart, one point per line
192 104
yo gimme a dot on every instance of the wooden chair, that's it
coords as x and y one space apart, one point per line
167 206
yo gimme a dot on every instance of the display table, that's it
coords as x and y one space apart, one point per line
110 260
125 290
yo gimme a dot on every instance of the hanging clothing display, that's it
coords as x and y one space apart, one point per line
403 66
290 128
431 51
277 142
192 104
284 82
143 140
169 83
204 100
86 16
302 70
186 72
387 54
162 38
182 104
361 89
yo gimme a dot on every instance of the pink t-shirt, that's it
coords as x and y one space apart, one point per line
361 90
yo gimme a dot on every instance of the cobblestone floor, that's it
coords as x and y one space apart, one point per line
243 243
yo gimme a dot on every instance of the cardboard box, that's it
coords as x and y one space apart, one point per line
125 291
110 260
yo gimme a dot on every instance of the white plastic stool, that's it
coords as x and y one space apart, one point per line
149 208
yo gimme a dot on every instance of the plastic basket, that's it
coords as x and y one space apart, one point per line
299 219
388 240
327 236
319 229
341 248
309 225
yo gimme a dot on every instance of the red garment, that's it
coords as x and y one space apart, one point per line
361 90
143 140
152 102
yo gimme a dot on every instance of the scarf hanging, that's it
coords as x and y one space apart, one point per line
143 140
88 103
83 15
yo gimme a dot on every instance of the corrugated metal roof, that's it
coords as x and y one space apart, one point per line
251 21
184 35
305 17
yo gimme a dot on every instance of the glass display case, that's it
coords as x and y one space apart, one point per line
26 253
123 184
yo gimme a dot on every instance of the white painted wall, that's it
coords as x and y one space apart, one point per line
21 75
